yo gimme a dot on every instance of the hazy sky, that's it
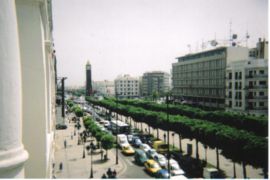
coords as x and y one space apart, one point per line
135 36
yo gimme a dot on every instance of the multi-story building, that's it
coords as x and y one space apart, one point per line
247 82
27 89
156 81
200 77
127 87
105 88
88 86
247 86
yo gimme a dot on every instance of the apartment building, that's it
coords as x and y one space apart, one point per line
156 81
200 77
127 86
247 86
105 88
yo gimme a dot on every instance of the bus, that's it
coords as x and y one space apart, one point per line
122 127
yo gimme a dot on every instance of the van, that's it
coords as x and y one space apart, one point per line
122 140
160 146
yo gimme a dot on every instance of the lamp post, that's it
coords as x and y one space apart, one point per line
173 140
164 136
116 160
83 150
168 135
91 151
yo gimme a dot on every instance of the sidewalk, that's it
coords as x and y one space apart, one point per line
74 166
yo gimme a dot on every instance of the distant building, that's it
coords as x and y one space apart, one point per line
200 77
127 87
105 88
88 90
260 51
156 81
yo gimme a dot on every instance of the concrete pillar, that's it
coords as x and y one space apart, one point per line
12 153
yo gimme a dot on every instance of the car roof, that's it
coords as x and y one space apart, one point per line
151 161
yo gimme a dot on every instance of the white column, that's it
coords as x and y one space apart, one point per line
12 153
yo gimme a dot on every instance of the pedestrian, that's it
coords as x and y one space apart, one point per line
61 166
109 173
71 136
101 154
65 144
104 176
114 174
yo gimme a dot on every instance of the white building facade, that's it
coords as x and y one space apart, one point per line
247 87
105 88
127 87
38 63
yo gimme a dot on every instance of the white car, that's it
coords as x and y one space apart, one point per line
145 147
175 168
162 161
151 153
177 177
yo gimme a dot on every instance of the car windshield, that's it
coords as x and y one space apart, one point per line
155 165
175 167
127 148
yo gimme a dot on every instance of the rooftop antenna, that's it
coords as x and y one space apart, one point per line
189 48
230 32
247 37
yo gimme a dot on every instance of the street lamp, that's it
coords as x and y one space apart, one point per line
91 151
173 140
167 101
116 130
83 150
164 136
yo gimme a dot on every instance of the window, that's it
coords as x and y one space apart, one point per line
240 85
261 93
261 104
240 75
240 104
262 82
236 75
261 72
230 75
230 103
236 85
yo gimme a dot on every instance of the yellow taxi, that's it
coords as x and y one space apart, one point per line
152 166
128 150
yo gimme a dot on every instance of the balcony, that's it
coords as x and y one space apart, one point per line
256 76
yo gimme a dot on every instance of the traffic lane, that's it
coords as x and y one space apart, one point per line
132 169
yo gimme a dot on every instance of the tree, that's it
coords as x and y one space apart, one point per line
99 136
107 142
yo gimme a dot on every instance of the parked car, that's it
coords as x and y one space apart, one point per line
151 153
136 142
60 126
129 137
162 161
145 147
140 157
127 150
152 166
175 168
178 177
162 174
146 139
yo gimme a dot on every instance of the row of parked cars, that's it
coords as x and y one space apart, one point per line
154 162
